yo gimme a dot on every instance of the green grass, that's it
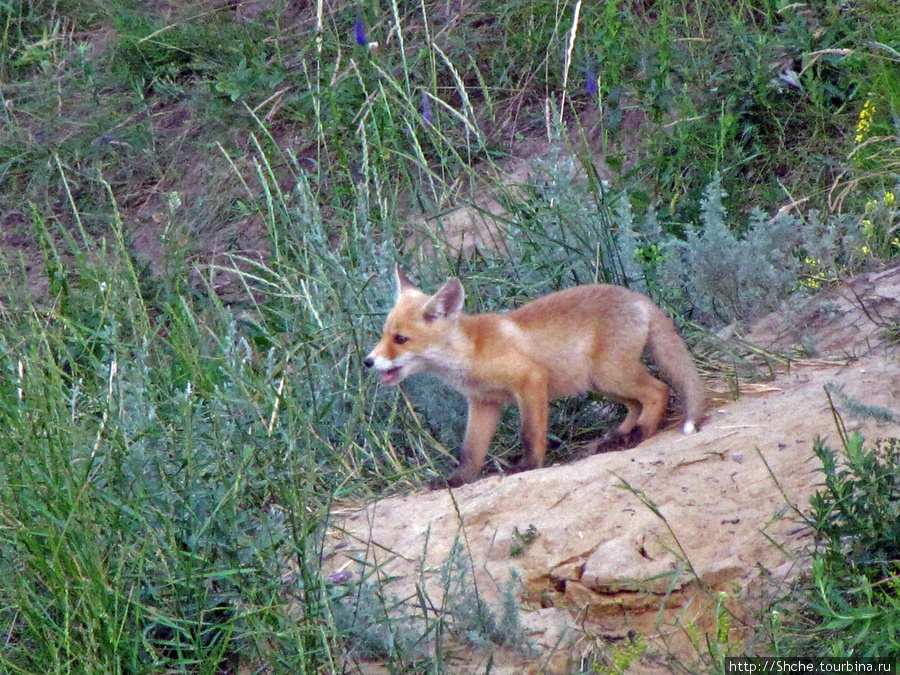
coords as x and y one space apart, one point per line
766 95
152 498
200 210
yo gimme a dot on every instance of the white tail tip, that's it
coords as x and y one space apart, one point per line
689 428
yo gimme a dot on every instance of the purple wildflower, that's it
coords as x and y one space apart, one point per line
591 84
359 30
427 117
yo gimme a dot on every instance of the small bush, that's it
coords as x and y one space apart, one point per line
851 594
718 275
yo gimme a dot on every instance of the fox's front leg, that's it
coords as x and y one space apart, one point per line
480 427
534 408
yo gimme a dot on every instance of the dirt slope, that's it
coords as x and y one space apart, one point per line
603 562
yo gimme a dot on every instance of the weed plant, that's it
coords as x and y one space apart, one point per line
850 602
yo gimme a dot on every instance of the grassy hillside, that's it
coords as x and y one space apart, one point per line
199 205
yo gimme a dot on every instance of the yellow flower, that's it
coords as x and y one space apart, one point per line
889 198
864 124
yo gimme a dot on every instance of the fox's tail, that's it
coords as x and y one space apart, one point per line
677 365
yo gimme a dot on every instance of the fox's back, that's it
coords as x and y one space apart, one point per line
586 308
579 330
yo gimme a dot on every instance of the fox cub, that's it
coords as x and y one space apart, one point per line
586 338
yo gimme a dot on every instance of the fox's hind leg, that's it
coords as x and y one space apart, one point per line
634 412
643 395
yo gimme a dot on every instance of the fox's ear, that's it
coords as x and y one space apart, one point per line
446 303
401 282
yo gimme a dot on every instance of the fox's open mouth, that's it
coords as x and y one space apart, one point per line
391 376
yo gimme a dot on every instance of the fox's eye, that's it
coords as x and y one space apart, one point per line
400 339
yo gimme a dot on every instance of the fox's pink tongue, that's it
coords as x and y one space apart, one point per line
391 376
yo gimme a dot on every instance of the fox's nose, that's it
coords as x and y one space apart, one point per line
368 362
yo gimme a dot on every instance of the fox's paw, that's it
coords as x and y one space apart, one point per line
524 465
633 438
439 483
616 441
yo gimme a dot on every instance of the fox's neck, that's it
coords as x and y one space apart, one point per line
454 358
450 357
455 343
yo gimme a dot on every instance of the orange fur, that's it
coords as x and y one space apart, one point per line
586 338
